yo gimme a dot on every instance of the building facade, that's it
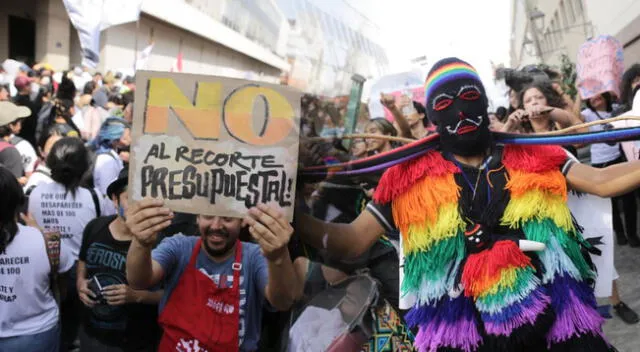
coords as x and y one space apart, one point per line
329 42
543 30
237 38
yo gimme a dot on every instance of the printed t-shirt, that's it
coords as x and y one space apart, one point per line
173 254
55 209
129 326
27 305
27 153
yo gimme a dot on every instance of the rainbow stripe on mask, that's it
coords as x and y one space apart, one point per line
448 73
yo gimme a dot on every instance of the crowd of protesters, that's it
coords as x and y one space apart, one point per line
80 268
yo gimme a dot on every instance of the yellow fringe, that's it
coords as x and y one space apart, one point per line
507 279
422 236
521 182
537 205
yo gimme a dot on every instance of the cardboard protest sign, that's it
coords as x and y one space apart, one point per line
599 67
212 145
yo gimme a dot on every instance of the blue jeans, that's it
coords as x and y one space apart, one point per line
47 341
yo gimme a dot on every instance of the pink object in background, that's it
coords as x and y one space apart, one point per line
417 94
599 66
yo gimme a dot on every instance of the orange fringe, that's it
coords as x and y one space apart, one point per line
399 179
422 202
483 270
521 182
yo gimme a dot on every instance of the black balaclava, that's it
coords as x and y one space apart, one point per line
457 104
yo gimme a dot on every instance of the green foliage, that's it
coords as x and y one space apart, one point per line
569 74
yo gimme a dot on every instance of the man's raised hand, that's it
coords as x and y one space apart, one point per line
145 219
270 229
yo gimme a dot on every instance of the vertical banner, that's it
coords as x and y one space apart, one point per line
213 145
86 17
353 107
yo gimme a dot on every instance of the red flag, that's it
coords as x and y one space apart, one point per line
177 66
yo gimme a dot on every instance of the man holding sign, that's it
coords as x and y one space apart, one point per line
223 149
214 284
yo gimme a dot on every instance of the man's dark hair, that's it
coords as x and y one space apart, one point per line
5 131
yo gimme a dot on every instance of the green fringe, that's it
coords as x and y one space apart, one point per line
508 295
542 230
433 264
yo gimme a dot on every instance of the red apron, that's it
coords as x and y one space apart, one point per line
199 315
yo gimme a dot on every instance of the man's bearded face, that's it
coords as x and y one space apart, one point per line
459 108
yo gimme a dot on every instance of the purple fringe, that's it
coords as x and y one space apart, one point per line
450 324
575 308
517 314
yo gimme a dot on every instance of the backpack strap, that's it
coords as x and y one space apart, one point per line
52 245
15 140
96 201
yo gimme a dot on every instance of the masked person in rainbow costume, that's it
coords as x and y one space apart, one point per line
493 259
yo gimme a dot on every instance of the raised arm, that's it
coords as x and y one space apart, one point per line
145 219
607 182
566 119
272 232
341 240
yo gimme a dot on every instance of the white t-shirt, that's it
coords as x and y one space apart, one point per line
28 155
42 174
106 170
27 305
600 152
54 209
315 329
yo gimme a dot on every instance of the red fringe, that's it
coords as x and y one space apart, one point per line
531 158
483 269
400 178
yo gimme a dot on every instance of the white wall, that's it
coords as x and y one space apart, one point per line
610 17
199 55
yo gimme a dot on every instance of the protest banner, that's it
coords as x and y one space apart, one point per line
212 145
599 67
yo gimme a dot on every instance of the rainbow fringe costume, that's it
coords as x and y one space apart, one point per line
499 299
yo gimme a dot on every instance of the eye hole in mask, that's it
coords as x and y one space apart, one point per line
470 95
442 104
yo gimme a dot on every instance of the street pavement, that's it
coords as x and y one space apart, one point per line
626 338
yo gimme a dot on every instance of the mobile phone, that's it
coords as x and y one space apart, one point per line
96 287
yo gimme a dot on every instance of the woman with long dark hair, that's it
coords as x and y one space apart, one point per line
30 315
630 82
64 206
541 109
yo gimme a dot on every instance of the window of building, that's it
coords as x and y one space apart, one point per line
578 8
563 15
571 12
558 28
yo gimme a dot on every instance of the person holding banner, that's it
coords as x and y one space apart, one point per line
466 213
215 285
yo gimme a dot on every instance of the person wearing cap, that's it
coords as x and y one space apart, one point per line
117 317
10 156
10 131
